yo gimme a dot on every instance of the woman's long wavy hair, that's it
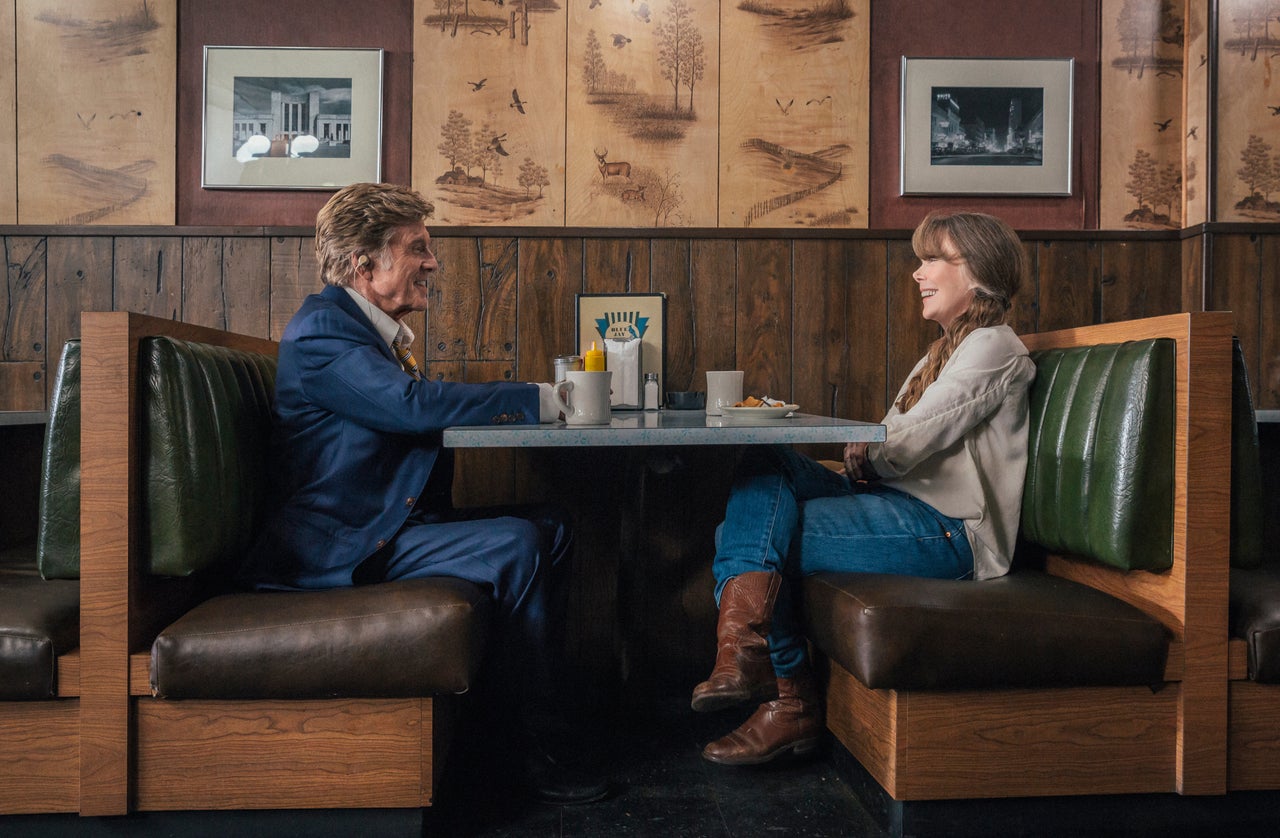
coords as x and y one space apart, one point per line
990 251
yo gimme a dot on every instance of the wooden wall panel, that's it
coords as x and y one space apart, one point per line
226 283
148 271
1267 385
81 272
1236 287
764 318
1142 119
1247 148
295 273
96 111
9 111
1140 279
670 274
714 276
1068 285
22 353
550 277
1197 110
615 266
472 312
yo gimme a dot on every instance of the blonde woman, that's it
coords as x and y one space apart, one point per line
940 497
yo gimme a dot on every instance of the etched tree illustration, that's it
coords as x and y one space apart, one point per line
1138 24
484 154
1256 168
673 36
531 175
695 63
593 67
455 145
1142 177
1168 188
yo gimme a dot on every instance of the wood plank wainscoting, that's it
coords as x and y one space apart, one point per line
829 321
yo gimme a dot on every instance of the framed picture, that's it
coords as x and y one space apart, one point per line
291 117
627 317
986 126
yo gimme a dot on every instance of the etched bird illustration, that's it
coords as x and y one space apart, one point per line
1161 126
821 101
1191 135
495 143
1275 110
620 41
642 13
516 101
476 85
786 109
594 3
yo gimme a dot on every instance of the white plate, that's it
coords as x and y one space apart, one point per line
760 414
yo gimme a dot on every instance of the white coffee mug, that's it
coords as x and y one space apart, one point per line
584 397
724 388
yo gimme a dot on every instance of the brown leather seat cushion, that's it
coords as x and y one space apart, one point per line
39 620
1255 617
415 637
1027 629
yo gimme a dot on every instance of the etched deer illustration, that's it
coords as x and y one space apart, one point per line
608 170
629 195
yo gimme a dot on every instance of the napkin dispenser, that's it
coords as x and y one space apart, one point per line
623 359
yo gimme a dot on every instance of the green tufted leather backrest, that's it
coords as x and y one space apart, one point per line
1100 466
1247 542
58 530
206 431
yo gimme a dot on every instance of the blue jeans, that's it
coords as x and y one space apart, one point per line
790 514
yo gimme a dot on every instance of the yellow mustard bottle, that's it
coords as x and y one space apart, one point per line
593 359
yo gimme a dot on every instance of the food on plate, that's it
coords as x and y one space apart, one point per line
752 401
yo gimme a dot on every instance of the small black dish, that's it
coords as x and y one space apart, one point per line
686 400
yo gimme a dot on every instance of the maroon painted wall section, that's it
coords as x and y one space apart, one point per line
287 23
984 29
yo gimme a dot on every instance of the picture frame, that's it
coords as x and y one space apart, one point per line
614 316
291 117
987 126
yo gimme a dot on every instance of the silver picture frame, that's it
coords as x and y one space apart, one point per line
987 126
291 117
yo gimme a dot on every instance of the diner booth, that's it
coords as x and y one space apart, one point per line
740 201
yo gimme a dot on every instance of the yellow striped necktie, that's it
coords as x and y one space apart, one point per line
405 354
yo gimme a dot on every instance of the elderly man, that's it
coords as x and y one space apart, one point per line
362 481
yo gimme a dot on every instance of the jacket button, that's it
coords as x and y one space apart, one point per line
409 502
382 542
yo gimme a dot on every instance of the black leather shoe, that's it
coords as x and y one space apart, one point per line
551 780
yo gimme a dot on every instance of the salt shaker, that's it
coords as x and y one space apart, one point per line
651 391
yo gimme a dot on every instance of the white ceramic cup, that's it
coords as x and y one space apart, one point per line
724 387
584 397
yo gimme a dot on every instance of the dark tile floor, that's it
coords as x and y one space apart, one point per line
662 787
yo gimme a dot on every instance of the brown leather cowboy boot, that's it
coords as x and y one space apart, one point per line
742 671
790 724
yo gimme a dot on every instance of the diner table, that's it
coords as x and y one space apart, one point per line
668 427
647 442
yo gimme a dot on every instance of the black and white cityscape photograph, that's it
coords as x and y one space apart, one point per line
987 126
291 117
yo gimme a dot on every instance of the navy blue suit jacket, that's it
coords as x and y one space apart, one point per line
354 442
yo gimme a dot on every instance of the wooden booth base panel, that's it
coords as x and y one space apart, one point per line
949 745
1253 747
217 755
39 756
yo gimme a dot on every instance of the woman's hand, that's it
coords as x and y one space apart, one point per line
856 464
